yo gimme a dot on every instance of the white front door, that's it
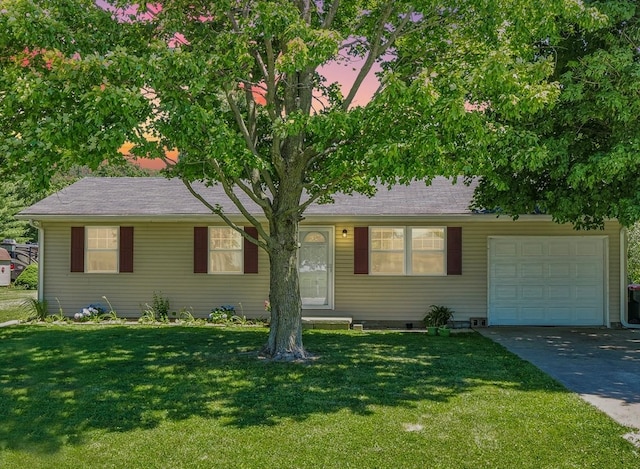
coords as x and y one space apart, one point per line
315 265
547 281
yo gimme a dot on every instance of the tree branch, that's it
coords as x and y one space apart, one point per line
240 121
377 48
218 211
328 20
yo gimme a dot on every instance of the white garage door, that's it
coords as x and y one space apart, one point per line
547 281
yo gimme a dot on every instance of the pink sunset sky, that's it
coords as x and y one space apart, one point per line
343 72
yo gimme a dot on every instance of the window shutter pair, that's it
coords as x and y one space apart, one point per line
125 249
361 250
201 250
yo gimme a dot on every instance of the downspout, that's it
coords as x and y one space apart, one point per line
36 224
624 293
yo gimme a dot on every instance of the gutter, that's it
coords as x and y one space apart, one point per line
36 224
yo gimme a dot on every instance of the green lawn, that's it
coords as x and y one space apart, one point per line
11 303
78 396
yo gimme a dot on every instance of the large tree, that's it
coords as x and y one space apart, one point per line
237 87
579 159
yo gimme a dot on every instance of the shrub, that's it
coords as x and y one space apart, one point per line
92 312
38 310
28 278
160 306
438 316
225 314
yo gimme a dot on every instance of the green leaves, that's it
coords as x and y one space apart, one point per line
539 99
589 134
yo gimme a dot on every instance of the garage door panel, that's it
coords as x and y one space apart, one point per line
528 313
532 270
559 249
588 315
533 292
504 271
559 313
546 281
586 248
586 293
557 270
584 271
506 249
558 292
506 292
532 249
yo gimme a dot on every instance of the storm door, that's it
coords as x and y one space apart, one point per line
315 265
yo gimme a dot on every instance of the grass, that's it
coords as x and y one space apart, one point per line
173 397
11 303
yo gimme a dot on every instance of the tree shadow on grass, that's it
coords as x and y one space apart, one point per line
57 383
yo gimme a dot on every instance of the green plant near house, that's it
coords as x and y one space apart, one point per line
185 317
38 310
160 307
28 278
148 315
225 314
438 316
56 317
110 314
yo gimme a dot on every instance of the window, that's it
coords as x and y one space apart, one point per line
427 251
102 249
407 251
387 250
225 250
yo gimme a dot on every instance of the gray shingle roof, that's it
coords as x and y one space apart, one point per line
163 197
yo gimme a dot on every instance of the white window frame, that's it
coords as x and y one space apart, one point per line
88 250
407 251
211 250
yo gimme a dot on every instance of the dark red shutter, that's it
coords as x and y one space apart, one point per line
454 250
200 249
126 249
361 250
250 251
77 249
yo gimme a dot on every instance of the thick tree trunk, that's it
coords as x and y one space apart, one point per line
285 335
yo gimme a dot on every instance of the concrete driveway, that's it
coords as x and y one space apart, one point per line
601 365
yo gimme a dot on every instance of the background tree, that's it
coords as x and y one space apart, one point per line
633 262
10 228
577 160
16 194
237 87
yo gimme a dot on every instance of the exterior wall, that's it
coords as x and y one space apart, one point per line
406 298
163 262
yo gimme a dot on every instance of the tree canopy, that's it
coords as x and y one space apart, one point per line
477 87
577 159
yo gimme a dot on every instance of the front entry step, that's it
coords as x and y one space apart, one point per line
326 323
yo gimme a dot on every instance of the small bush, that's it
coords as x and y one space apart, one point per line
438 316
157 311
92 312
160 306
224 314
28 278
38 310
